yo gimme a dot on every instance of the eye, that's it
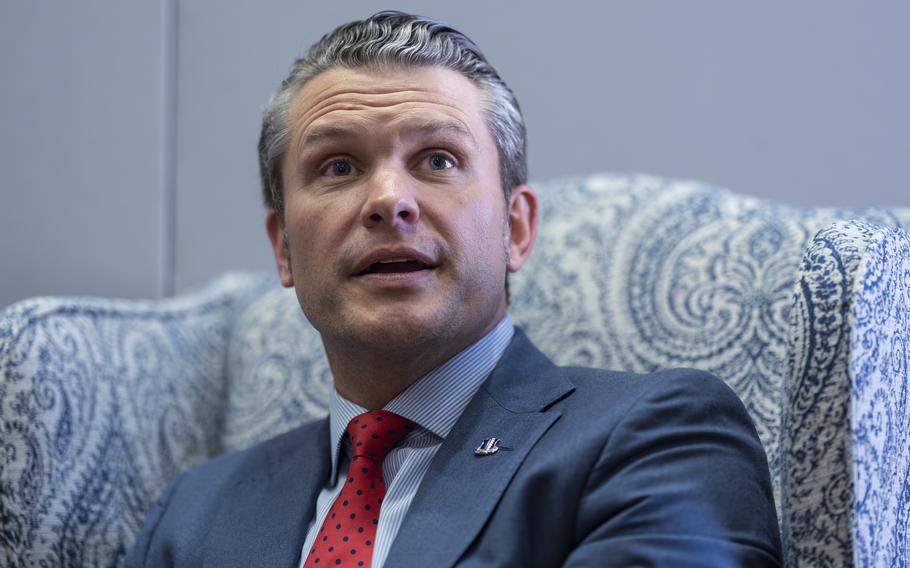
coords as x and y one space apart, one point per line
339 168
439 162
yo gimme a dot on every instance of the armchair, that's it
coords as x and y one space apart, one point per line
804 312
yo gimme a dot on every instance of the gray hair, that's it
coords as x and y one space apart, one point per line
395 38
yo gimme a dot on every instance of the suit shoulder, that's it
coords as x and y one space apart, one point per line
185 513
249 464
629 383
614 393
680 442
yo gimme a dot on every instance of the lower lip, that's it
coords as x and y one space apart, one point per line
398 279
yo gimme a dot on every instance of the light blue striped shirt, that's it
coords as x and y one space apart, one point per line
434 403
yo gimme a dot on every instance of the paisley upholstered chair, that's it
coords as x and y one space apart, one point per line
804 312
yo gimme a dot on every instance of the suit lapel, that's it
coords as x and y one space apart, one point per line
267 517
461 489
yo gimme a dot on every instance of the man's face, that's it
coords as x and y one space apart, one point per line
397 229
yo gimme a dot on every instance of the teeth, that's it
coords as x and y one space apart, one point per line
391 260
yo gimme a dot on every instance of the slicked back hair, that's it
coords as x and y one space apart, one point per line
395 39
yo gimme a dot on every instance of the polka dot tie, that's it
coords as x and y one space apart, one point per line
349 530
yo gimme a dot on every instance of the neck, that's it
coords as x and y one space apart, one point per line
372 375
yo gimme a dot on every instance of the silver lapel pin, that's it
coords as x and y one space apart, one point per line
488 447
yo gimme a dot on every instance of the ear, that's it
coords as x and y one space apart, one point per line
522 225
274 226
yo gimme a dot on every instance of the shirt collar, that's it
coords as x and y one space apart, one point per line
435 401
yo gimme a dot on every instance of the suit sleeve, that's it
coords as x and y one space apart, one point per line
682 481
138 555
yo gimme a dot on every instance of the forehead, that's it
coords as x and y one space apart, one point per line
370 98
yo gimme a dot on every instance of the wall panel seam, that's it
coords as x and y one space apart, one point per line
168 153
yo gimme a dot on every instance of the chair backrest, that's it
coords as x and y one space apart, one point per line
641 273
629 272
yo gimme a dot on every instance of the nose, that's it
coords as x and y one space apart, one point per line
391 202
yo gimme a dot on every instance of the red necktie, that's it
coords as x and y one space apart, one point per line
349 530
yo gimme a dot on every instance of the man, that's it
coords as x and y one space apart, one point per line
393 167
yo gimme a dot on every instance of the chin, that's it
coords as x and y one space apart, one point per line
388 328
404 326
404 329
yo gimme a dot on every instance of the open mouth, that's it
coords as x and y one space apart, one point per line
394 266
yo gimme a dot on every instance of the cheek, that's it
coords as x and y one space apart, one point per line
317 228
479 230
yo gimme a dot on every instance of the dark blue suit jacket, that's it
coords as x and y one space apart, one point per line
602 469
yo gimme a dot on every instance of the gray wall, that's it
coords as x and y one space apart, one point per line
128 131
81 134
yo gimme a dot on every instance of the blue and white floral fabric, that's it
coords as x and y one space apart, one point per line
846 428
101 401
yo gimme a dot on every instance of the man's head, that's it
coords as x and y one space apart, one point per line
381 163
395 39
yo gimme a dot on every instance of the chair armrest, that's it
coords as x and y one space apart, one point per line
845 440
880 395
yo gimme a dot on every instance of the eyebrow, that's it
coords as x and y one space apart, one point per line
440 127
330 133
326 133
